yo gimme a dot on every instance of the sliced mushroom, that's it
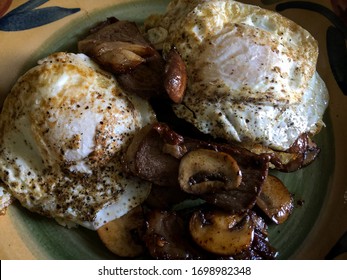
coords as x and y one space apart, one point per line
175 76
145 158
275 200
220 232
122 236
254 170
206 171
302 153
309 152
129 157
146 79
156 153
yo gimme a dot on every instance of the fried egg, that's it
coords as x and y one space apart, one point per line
251 72
5 198
63 129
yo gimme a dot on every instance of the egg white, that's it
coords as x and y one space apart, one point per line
63 128
5 198
251 72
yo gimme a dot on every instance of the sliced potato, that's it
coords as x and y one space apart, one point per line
122 236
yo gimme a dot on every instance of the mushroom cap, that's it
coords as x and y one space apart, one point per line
204 171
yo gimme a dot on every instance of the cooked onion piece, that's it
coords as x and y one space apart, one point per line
117 46
275 200
204 171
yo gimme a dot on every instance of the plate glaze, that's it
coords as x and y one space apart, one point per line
320 190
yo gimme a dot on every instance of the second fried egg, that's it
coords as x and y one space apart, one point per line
251 72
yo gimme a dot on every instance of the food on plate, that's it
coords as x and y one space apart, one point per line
203 171
5 198
63 128
275 200
166 237
216 232
247 83
175 76
251 73
119 47
170 235
221 233
155 139
300 154
161 137
145 159
122 236
220 179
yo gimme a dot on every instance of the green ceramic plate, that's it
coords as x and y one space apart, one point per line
320 190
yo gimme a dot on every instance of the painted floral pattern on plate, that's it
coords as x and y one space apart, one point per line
30 15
